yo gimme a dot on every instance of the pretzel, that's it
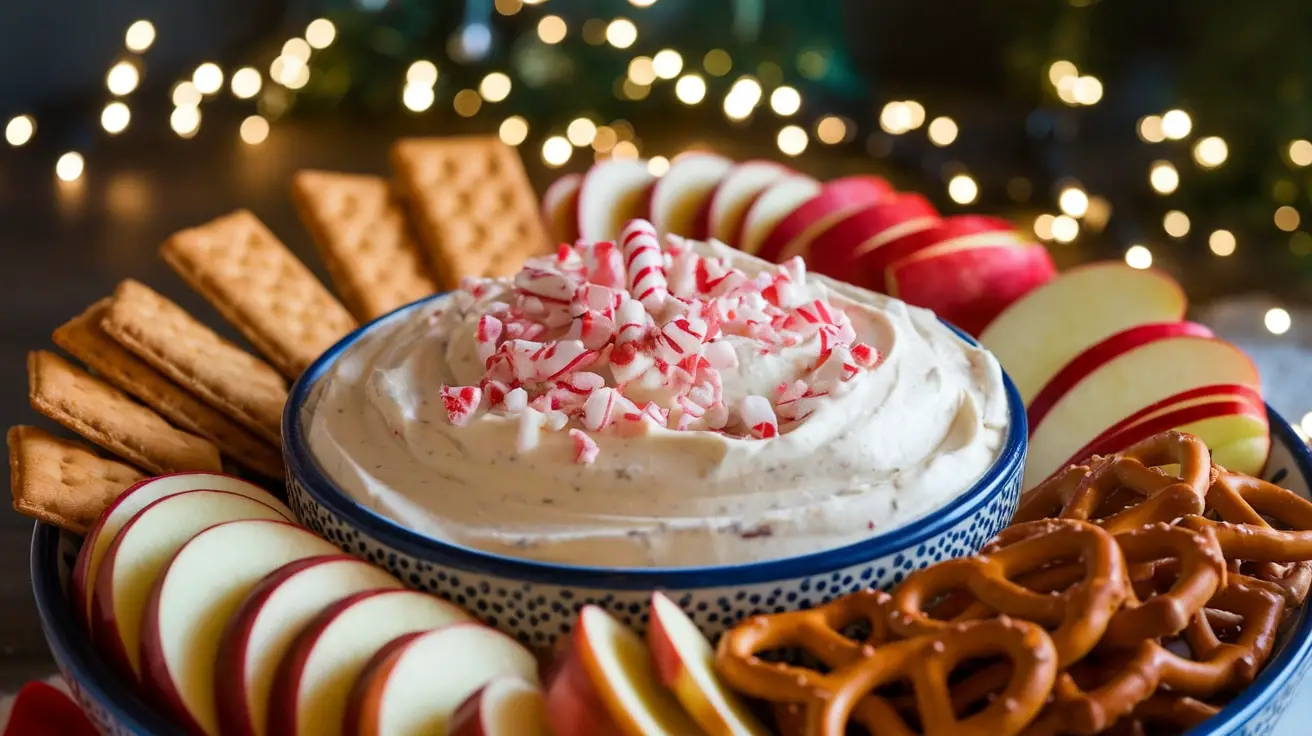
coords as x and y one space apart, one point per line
1077 616
1169 711
1126 491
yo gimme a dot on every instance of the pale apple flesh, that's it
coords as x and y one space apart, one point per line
120 512
1034 339
605 685
264 627
612 192
771 207
414 685
950 233
1223 424
722 217
138 556
313 683
1250 453
1139 377
678 197
560 205
836 200
684 662
505 706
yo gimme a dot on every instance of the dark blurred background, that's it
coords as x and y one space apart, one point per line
1172 133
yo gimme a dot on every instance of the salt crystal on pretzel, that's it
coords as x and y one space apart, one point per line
461 403
644 265
585 449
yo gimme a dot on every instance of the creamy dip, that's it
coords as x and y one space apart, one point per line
637 405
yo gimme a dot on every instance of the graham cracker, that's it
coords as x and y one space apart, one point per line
240 385
105 416
361 233
474 209
61 482
84 339
250 277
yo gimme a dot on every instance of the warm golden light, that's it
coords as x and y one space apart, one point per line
254 130
285 70
895 118
942 131
1164 178
1065 229
122 78
667 63
69 166
831 129
417 97
785 101
1073 201
1087 90
1066 90
658 165
1222 242
690 89
320 33
552 29
605 139
140 36
1060 70
508 7
642 3
1137 256
422 73
556 151
1277 321
20 130
963 189
467 103
246 82
717 62
115 118
625 149
1043 226
621 33
1287 219
185 94
791 140
1300 153
1211 152
641 70
581 131
915 114
299 77
208 78
185 121
1150 129
297 48
1176 224
513 130
495 87
1176 124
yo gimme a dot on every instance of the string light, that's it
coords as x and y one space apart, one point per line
963 189
1211 152
1087 90
791 140
690 89
69 167
1065 229
321 33
1163 176
254 130
1300 153
185 121
667 63
895 118
1137 256
246 82
1277 321
1060 70
1150 129
140 36
495 87
1176 224
122 78
717 62
467 103
1222 242
185 94
417 97
297 48
422 73
621 33
594 31
658 165
625 149
208 78
743 97
581 131
1043 226
1073 201
915 113
642 71
552 29
115 118
785 101
508 7
642 3
556 151
1287 219
630 90
20 130
942 131
605 139
513 130
831 129
299 77
1176 124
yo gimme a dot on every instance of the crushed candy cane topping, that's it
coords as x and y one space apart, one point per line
623 337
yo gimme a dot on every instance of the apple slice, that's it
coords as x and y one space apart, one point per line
722 218
948 234
1249 453
195 598
604 685
1135 378
678 197
313 683
1099 354
685 663
1035 337
126 506
847 241
968 285
837 199
1221 422
560 206
402 693
612 192
138 555
262 630
771 206
505 706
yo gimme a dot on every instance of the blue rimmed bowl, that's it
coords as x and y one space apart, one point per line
537 601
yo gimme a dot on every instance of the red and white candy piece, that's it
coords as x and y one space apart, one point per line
644 265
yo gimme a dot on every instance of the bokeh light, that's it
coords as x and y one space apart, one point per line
1138 256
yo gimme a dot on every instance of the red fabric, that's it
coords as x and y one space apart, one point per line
43 710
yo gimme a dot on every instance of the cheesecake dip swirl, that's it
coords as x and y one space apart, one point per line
634 404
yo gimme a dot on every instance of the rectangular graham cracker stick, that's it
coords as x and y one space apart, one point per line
106 417
84 339
362 235
473 206
260 288
223 375
61 482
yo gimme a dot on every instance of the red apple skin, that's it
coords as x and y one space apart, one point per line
1107 350
846 194
1164 423
230 671
364 706
286 681
835 250
80 568
875 262
664 657
467 719
970 286
574 707
1216 391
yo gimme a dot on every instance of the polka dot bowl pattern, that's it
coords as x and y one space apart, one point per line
537 601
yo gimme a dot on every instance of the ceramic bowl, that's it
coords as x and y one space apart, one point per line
537 601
